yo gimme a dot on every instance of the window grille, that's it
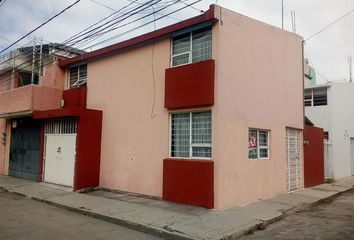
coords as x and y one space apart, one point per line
191 47
293 156
258 144
60 126
78 75
315 97
191 135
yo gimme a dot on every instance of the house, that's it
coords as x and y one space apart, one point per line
30 80
207 111
326 105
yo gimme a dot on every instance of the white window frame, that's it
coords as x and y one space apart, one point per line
78 75
190 52
191 145
258 146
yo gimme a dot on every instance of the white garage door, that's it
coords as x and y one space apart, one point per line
352 153
60 152
294 158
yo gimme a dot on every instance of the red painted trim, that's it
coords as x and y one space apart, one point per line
62 112
143 39
189 181
75 97
41 152
87 170
313 156
190 85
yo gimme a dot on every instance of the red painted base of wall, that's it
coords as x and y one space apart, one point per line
313 157
189 181
88 140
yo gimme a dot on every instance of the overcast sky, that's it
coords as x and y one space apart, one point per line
328 52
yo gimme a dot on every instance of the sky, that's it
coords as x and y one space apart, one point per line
328 52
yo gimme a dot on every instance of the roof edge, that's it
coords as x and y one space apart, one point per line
209 15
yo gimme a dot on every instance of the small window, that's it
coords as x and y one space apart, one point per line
191 134
78 75
258 144
315 97
319 96
191 47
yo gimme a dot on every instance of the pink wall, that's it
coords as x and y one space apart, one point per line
258 80
258 85
29 98
54 77
135 123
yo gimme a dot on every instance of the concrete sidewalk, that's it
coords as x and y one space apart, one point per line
174 221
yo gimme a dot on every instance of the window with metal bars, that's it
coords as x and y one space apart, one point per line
191 135
194 46
315 97
60 126
258 144
78 75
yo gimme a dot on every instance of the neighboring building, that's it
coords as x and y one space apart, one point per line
198 112
310 74
328 107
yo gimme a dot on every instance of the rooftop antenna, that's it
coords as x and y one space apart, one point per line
293 21
282 14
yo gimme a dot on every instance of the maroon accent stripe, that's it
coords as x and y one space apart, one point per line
142 39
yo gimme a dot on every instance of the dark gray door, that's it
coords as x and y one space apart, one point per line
25 149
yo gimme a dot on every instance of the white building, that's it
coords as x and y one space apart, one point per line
331 107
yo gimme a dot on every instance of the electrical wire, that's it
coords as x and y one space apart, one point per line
138 26
329 25
41 25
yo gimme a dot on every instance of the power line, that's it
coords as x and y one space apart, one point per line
50 19
103 5
2 2
125 32
329 25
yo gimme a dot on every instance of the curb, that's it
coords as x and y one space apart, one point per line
165 234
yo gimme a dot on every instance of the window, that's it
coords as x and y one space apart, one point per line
78 75
315 97
191 134
258 144
191 47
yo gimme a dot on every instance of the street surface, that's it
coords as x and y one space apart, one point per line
327 221
26 219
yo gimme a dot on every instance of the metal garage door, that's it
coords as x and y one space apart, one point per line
293 158
60 151
25 149
352 153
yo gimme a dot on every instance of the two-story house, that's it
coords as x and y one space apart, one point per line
207 112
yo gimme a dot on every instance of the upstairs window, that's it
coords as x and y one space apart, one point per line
191 135
78 75
315 97
194 46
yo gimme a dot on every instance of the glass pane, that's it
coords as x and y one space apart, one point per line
252 153
201 127
180 59
181 44
263 138
180 135
202 152
263 152
201 45
73 75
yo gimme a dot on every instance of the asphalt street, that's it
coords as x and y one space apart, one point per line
25 219
327 221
